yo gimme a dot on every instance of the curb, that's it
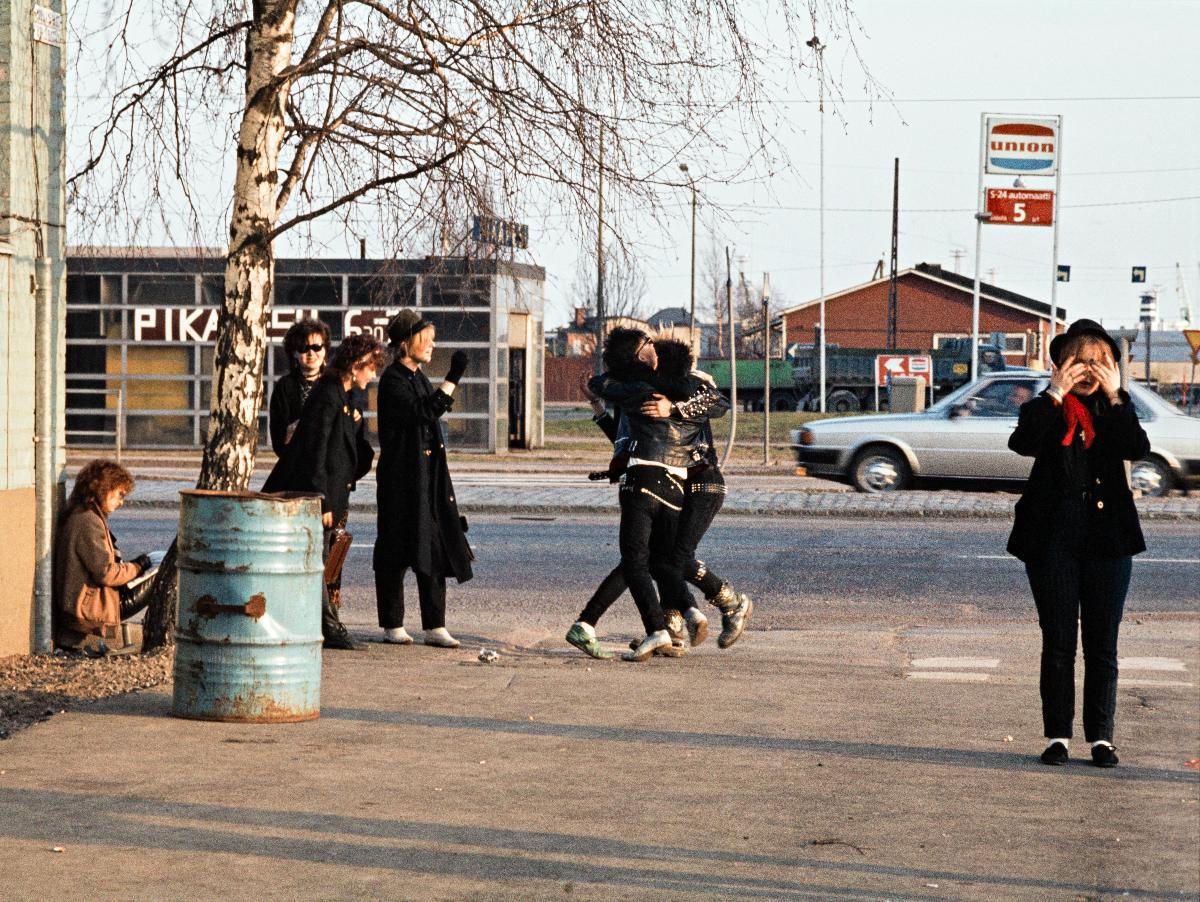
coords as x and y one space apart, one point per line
840 511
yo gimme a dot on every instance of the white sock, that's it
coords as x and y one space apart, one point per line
1102 742
587 628
1066 743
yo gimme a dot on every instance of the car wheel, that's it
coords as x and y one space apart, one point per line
880 469
1151 477
843 402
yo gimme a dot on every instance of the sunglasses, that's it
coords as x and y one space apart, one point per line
311 349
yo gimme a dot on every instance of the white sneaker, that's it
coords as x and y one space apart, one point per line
397 636
647 646
441 638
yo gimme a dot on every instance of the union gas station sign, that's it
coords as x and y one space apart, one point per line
1021 146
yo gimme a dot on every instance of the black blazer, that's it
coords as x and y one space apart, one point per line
1077 500
328 453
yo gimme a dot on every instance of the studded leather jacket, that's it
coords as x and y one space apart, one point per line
679 440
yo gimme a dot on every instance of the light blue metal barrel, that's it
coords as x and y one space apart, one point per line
248 640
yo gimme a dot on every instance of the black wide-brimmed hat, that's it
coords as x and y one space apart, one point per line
405 325
1082 327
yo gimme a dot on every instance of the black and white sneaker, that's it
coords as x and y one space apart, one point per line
1104 755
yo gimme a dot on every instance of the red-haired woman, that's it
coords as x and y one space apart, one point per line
88 570
328 453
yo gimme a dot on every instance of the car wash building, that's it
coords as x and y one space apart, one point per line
142 324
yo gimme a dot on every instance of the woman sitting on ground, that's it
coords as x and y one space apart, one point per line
88 570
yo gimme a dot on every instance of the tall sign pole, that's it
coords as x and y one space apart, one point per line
1021 146
892 288
766 320
980 215
1054 268
600 255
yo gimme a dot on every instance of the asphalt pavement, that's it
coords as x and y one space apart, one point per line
872 736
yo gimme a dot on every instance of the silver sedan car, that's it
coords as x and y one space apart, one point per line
965 436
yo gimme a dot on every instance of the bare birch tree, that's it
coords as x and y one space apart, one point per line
415 112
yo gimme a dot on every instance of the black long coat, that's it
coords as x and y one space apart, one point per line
328 453
286 408
1077 500
416 497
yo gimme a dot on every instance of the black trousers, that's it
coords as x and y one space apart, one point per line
1079 593
704 496
389 598
651 500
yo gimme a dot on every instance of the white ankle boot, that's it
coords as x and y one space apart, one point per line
441 638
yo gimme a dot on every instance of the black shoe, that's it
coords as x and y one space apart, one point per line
1104 756
1055 754
340 639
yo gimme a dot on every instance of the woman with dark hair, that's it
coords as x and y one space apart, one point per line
657 451
419 525
88 570
306 345
328 452
704 495
1076 529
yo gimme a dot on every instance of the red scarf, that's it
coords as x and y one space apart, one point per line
1077 417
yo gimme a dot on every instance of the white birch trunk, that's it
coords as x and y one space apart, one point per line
237 387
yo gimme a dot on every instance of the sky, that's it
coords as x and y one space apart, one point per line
1125 76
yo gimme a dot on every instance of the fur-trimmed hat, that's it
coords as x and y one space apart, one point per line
1078 328
405 325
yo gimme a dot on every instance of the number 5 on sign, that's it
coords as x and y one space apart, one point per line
1009 206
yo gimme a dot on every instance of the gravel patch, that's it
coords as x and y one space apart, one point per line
36 687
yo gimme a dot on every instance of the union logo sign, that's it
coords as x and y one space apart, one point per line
1021 146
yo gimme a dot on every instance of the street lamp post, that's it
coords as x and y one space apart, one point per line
683 167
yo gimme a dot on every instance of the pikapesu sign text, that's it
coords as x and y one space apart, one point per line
199 324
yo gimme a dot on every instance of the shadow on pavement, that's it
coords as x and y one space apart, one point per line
113 821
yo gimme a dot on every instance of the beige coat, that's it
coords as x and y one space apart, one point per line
87 573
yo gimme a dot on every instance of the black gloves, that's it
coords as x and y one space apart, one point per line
143 563
458 366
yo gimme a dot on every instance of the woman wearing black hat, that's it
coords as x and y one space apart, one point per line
1077 530
419 524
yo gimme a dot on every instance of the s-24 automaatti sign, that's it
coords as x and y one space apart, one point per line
1019 206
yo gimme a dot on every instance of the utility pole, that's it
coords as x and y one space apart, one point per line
766 322
683 167
891 316
600 255
957 253
733 406
819 49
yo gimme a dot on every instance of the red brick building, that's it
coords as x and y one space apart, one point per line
932 305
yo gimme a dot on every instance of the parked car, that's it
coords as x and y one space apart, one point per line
965 436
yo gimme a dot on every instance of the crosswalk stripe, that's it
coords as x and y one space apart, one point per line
950 676
956 663
1173 664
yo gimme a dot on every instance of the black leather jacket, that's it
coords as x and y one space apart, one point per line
680 440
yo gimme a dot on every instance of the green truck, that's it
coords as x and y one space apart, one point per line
750 382
849 375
